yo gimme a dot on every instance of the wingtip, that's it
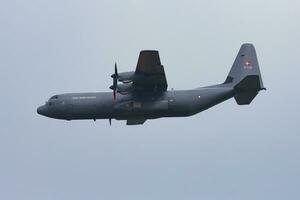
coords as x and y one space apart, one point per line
149 51
248 45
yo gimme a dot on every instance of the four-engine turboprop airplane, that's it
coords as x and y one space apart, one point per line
142 94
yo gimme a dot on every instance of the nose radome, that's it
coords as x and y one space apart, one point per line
41 110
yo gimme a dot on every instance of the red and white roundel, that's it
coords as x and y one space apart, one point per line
248 65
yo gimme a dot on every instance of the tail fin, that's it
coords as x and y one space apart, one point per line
245 75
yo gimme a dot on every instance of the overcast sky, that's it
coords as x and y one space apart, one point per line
229 152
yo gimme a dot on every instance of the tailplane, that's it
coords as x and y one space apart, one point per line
245 75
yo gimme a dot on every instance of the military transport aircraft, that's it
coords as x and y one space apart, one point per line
142 94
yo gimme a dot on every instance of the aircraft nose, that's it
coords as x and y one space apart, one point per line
41 110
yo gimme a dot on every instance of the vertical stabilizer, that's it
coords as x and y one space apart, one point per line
245 75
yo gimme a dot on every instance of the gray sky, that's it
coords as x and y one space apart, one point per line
50 47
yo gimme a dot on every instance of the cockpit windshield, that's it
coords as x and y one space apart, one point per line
52 100
54 97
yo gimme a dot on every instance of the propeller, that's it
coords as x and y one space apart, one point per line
115 77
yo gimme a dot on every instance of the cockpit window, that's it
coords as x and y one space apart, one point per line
54 97
52 100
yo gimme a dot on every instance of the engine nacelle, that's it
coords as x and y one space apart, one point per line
124 88
126 77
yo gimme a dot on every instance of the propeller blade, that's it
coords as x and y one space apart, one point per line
110 121
116 70
115 81
114 93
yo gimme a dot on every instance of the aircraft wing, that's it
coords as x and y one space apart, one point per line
150 74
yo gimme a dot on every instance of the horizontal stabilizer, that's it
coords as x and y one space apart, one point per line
247 89
245 98
251 82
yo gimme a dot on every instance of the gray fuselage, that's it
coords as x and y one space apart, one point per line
180 103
